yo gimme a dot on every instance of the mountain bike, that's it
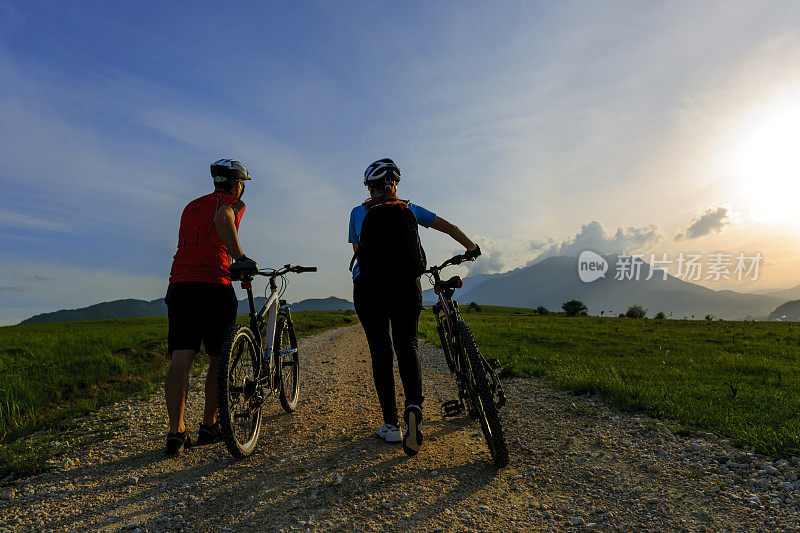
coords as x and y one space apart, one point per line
479 389
258 361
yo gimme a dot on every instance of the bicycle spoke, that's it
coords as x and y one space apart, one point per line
239 396
288 363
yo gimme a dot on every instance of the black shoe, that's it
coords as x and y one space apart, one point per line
177 442
412 441
208 434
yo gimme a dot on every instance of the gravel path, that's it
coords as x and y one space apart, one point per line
575 465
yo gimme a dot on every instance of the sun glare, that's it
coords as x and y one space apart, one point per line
764 163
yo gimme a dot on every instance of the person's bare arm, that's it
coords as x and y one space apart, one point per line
355 247
225 223
444 226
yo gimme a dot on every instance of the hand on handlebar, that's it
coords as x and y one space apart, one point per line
243 267
471 255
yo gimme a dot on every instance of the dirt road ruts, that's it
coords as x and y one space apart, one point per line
575 465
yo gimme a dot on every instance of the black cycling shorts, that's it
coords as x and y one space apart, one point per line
200 313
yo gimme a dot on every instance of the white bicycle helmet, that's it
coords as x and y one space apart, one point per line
382 172
224 170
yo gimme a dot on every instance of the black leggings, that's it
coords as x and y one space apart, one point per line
378 306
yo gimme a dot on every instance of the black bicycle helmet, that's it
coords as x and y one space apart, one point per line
382 172
228 170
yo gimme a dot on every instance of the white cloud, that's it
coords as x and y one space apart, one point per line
593 236
13 288
20 220
500 255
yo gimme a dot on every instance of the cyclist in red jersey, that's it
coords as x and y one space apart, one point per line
201 303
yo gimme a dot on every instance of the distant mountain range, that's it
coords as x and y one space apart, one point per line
130 308
548 283
555 280
786 294
788 312
330 303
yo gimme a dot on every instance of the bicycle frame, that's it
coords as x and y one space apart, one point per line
446 326
449 308
271 309
479 389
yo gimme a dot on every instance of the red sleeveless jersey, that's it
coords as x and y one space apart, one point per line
201 255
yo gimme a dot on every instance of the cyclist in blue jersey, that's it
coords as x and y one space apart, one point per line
386 290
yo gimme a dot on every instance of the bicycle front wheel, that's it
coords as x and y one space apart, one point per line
288 358
238 394
481 396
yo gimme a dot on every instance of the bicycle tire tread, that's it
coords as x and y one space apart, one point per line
497 447
288 404
226 424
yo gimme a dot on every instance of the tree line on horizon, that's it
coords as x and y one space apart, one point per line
576 308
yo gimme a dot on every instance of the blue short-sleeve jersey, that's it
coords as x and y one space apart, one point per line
424 218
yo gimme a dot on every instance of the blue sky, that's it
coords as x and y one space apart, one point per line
522 122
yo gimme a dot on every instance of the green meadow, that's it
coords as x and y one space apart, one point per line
52 373
738 379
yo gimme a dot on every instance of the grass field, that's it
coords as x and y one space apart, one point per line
738 379
52 373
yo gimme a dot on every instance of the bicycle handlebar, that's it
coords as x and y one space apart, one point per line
297 269
456 260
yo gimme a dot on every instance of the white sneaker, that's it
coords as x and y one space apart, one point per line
389 433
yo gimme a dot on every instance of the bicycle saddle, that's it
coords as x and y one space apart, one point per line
452 283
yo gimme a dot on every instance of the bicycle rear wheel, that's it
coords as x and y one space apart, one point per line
481 396
238 394
289 360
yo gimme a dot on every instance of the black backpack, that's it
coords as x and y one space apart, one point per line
389 247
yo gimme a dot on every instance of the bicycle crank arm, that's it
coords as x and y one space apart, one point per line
265 380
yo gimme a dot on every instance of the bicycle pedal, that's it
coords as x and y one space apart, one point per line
501 399
494 363
452 408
